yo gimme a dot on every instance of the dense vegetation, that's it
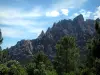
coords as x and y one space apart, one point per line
66 62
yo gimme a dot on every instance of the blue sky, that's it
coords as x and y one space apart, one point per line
25 19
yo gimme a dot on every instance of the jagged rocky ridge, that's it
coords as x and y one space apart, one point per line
46 42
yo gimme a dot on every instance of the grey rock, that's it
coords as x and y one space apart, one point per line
82 30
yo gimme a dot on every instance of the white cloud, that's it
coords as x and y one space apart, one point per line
62 4
16 22
18 18
52 14
65 11
65 5
12 33
11 13
21 33
97 13
75 14
85 13
36 30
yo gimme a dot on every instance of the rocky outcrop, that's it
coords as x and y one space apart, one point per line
41 35
82 30
22 50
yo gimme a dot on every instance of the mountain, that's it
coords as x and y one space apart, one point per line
80 29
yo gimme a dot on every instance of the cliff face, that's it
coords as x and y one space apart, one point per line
77 27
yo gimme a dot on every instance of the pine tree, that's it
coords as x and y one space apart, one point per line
1 39
93 58
67 55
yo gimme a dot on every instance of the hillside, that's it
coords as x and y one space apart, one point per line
81 29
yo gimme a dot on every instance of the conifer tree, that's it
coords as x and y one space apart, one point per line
67 56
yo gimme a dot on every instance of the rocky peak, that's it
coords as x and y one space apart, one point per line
97 19
54 25
48 30
48 33
77 27
79 23
23 49
41 35
0 35
79 18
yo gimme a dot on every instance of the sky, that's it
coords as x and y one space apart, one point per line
25 19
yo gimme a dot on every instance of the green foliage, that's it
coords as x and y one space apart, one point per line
40 58
87 71
4 56
67 56
70 73
53 72
17 70
66 61
1 39
97 66
12 62
93 48
12 68
30 68
93 57
90 56
97 26
4 69
41 65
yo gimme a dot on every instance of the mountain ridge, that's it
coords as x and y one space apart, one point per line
46 42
